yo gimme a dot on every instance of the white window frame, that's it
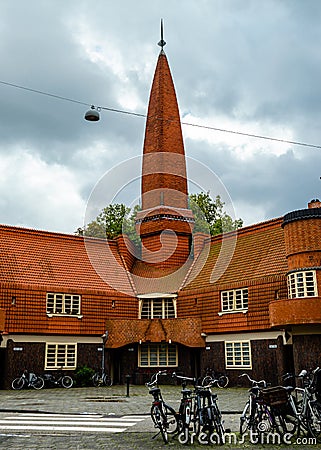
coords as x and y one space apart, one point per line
154 304
158 355
238 355
234 300
302 284
61 356
59 304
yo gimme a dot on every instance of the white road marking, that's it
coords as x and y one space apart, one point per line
68 422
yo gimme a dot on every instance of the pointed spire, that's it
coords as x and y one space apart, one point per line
163 136
162 43
165 223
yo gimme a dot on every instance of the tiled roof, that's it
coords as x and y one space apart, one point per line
250 253
60 261
148 278
125 331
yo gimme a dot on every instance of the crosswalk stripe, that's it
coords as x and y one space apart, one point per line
72 422
62 428
73 419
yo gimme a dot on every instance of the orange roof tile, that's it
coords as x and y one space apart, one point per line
251 252
60 261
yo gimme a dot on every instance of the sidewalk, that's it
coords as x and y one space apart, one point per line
113 401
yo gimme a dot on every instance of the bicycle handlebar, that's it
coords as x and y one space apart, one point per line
263 383
153 381
208 386
174 375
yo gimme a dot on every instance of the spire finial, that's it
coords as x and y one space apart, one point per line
162 43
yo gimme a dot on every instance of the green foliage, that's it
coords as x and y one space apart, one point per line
129 226
210 216
116 219
83 376
108 224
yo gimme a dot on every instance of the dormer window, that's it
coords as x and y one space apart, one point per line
235 300
63 304
157 308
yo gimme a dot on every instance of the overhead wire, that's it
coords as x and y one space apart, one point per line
207 127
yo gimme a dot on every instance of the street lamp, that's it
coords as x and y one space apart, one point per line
92 114
104 338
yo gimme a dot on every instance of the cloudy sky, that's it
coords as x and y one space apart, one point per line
251 66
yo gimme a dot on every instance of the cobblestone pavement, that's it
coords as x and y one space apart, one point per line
105 402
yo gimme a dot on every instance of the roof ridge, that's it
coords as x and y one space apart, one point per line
271 223
15 228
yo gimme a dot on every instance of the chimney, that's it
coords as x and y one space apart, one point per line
315 203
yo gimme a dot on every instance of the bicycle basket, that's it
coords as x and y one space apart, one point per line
275 396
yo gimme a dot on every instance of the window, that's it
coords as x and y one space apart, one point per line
234 300
63 304
153 355
157 308
302 284
238 354
60 356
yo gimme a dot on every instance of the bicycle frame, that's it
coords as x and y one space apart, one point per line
208 424
256 416
185 417
163 415
302 414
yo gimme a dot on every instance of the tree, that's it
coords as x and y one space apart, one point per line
210 216
108 224
117 218
129 226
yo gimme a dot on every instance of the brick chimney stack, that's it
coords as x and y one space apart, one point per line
315 203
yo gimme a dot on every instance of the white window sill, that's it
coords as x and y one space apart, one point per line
233 311
77 316
239 367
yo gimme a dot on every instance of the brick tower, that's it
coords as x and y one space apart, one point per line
165 223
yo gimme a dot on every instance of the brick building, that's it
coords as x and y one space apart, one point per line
243 301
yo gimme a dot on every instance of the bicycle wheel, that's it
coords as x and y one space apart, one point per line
159 421
67 381
206 380
196 419
18 383
96 379
38 383
314 420
171 419
223 381
285 423
245 418
216 418
107 380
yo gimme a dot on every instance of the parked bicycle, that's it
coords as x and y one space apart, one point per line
163 415
222 380
101 379
256 416
58 380
207 417
28 379
304 405
185 412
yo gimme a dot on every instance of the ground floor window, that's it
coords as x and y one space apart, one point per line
153 355
61 356
238 354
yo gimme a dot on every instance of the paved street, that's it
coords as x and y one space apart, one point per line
96 418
